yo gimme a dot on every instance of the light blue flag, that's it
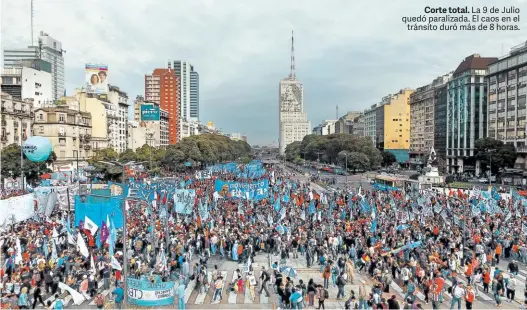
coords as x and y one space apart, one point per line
373 226
54 255
312 209
98 240
277 204
45 247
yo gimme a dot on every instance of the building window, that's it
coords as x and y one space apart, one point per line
40 129
61 118
62 141
41 116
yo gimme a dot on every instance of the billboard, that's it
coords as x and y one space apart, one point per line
149 113
96 78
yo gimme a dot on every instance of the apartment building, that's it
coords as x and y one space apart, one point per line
393 124
506 91
370 123
326 128
16 119
69 132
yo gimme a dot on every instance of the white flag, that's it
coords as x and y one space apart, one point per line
18 257
77 297
127 205
81 245
92 266
90 225
115 263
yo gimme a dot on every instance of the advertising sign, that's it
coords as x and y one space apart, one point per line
144 293
96 78
149 113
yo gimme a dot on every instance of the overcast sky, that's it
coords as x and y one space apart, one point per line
348 53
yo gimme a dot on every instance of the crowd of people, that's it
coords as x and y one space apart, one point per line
432 244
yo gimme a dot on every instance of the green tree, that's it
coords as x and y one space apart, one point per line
327 148
10 164
292 151
495 153
387 158
358 161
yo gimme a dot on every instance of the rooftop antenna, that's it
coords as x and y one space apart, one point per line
292 74
32 23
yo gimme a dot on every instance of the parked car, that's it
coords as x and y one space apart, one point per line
483 180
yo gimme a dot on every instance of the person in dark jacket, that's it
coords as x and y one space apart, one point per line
392 303
48 279
37 296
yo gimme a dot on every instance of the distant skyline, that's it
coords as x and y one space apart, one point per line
348 53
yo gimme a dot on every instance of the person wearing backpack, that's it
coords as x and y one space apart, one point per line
59 304
323 294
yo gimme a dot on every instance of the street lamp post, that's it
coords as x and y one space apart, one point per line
346 171
125 219
490 165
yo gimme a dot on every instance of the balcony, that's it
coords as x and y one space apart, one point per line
521 149
87 147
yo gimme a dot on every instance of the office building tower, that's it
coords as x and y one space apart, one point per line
293 122
163 88
49 50
466 112
189 90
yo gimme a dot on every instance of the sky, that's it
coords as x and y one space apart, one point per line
348 54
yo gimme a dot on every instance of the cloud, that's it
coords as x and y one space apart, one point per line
348 53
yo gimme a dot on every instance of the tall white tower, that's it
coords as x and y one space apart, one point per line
294 125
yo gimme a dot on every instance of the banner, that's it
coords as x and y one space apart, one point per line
225 168
144 293
96 78
13 183
254 190
149 112
17 209
205 174
99 211
184 200
46 198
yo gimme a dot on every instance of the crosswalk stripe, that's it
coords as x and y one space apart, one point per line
200 299
188 290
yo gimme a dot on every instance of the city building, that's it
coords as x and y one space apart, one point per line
326 128
293 122
189 128
507 89
358 126
466 112
163 87
49 50
102 113
69 132
345 123
137 135
189 90
117 110
157 131
370 123
422 121
16 118
440 114
393 124
29 82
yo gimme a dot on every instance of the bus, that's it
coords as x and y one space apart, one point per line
387 180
